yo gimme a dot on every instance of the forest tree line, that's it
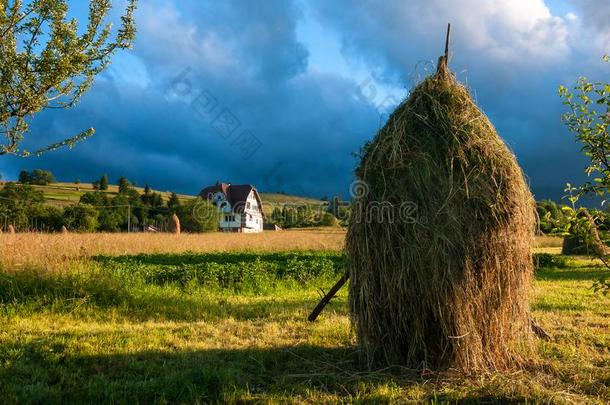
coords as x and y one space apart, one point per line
26 209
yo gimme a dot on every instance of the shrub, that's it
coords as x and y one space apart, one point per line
81 218
546 260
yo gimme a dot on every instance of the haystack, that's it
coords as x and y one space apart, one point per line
441 279
174 224
64 230
11 229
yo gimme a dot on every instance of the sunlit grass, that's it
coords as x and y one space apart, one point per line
54 250
109 329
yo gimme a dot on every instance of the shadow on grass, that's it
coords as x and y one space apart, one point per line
217 308
41 372
571 274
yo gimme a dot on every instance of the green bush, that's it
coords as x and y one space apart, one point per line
81 218
546 260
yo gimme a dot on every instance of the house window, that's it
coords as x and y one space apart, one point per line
248 205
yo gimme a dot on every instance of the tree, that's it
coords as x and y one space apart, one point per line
24 177
41 177
589 119
146 189
46 217
198 216
49 62
329 219
124 185
81 218
17 202
96 199
334 206
173 203
104 183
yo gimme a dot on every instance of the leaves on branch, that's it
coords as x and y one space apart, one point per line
46 64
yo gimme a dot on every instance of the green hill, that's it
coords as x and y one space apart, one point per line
62 194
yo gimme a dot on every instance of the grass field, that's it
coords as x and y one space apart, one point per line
93 321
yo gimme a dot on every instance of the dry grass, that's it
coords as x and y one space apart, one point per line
50 249
544 242
53 249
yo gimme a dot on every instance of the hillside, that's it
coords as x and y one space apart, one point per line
62 194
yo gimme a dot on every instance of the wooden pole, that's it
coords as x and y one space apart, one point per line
447 42
329 296
443 60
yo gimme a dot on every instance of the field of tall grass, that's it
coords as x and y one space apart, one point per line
222 318
54 249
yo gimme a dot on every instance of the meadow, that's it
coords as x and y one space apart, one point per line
145 318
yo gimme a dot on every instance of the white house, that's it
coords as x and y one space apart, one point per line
240 205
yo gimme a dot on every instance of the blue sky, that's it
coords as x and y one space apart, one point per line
281 93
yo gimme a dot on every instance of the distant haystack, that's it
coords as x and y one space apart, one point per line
11 229
64 229
174 224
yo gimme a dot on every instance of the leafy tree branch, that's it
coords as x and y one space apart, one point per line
46 64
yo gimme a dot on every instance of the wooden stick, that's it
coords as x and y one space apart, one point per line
538 331
447 42
329 296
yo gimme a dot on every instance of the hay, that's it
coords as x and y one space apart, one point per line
446 286
174 224
11 229
64 229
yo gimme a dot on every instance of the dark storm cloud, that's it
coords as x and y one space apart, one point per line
244 58
303 128
512 54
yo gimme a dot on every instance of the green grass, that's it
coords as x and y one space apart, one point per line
231 327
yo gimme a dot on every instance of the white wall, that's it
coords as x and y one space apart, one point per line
253 215
230 224
253 212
